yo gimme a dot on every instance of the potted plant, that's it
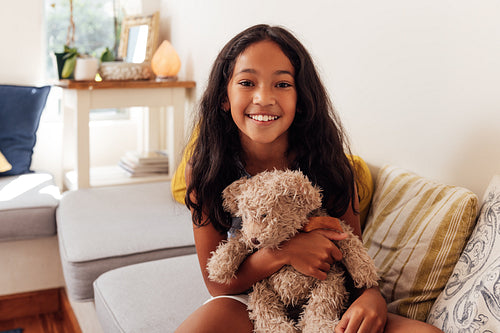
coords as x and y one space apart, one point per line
79 46
66 60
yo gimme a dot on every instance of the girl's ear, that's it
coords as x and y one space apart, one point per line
231 193
226 106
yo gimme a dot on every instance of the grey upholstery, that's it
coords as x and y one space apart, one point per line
101 229
153 297
28 205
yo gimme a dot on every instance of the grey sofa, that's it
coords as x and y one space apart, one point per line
100 229
149 297
28 200
157 296
28 205
122 231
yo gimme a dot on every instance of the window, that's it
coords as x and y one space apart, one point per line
89 25
95 26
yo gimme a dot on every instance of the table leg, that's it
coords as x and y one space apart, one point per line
82 138
151 136
175 128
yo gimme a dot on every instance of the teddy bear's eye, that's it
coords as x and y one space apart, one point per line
264 215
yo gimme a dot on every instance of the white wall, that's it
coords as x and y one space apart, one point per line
22 42
415 82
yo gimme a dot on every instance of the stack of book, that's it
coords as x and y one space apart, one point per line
144 164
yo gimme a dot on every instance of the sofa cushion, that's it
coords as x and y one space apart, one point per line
104 228
415 232
153 297
20 111
471 299
28 206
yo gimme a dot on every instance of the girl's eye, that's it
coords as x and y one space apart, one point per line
283 85
245 83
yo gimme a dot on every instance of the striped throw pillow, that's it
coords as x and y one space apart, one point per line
415 232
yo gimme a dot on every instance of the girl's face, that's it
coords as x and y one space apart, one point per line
262 95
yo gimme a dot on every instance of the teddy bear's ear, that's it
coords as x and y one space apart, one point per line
307 195
231 193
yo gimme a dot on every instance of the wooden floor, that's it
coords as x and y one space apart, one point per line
46 311
43 323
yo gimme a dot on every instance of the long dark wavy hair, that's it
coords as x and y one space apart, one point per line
316 136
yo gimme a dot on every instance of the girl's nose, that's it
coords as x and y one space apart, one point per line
263 97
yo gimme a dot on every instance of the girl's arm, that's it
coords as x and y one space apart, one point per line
311 253
368 313
254 268
352 218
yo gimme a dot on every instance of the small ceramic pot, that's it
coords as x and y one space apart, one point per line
86 69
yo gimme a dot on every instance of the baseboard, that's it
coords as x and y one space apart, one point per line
39 302
29 304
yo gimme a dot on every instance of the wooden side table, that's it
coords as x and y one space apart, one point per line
164 128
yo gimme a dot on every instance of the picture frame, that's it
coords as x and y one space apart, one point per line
139 38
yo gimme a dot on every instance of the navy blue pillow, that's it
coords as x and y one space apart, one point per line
20 111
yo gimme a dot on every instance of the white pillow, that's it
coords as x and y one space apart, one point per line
470 301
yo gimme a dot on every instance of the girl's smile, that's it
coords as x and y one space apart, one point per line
263 118
262 97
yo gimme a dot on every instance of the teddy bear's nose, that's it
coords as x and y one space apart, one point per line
255 241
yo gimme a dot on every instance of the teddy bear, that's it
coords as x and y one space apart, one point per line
273 207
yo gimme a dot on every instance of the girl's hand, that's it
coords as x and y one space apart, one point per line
323 222
367 314
312 253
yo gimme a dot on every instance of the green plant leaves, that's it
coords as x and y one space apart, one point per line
69 61
107 55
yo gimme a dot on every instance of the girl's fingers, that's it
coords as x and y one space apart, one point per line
313 253
336 254
325 267
333 235
323 222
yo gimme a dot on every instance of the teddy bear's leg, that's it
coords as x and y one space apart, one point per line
327 301
267 311
358 262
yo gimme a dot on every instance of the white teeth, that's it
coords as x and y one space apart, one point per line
262 117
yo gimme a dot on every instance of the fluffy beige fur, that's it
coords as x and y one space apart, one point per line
274 206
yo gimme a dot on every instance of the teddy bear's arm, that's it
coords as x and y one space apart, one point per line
225 261
357 260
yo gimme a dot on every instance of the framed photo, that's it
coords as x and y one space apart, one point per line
139 38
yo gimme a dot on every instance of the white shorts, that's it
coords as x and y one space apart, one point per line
242 298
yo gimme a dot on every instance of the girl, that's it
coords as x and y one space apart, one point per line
265 107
